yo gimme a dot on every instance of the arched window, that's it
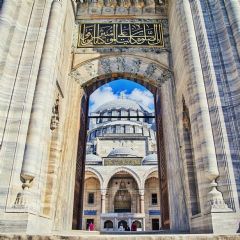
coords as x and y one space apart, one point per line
104 131
123 223
118 129
131 130
119 115
124 113
108 224
127 127
109 129
138 223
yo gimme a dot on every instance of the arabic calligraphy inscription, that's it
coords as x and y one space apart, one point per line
120 34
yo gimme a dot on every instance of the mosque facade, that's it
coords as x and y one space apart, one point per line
121 174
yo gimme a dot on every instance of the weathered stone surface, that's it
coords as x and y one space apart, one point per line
95 236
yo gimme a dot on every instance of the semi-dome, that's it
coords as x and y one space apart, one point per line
122 152
150 159
120 104
93 159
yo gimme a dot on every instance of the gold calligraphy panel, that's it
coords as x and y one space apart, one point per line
120 34
122 161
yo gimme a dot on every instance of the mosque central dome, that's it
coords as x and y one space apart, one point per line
120 104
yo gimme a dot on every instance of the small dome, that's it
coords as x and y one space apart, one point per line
93 159
121 122
120 104
150 159
122 152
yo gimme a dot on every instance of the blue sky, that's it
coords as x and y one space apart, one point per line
121 87
127 86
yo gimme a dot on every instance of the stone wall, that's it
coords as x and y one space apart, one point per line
24 27
92 236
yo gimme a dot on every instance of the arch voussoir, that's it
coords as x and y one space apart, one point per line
130 66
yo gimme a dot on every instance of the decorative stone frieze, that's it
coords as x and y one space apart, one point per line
134 66
98 8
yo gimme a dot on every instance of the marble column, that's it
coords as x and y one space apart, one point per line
103 201
115 224
233 11
215 198
129 222
43 95
143 224
141 194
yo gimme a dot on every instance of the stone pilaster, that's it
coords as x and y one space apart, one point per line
176 188
141 194
233 10
9 13
103 201
217 116
14 23
214 198
43 95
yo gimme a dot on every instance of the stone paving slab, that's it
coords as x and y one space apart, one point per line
94 236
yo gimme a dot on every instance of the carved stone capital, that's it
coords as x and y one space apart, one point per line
141 192
103 192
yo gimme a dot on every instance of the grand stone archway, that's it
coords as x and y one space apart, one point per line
151 74
100 70
46 81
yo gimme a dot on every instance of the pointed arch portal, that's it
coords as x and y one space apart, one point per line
97 72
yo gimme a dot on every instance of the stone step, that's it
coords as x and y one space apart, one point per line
141 232
97 236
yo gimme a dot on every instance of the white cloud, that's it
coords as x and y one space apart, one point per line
101 96
105 94
143 98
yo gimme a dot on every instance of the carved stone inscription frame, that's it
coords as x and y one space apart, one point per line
148 34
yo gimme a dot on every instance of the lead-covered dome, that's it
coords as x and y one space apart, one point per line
120 104
150 159
122 152
93 159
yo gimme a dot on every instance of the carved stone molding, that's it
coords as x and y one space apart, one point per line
133 66
87 9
